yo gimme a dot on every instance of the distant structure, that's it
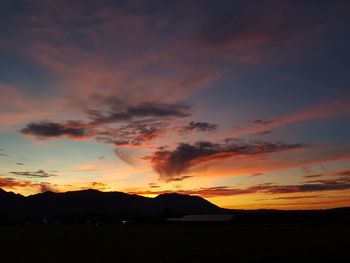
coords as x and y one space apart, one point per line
203 218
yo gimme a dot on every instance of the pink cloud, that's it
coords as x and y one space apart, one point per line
18 108
339 108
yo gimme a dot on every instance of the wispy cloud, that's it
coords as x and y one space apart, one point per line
36 174
266 122
313 175
136 124
120 112
267 188
339 108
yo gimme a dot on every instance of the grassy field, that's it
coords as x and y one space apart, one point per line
175 243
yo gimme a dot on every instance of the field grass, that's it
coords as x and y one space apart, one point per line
175 243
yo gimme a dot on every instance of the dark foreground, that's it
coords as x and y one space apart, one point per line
175 243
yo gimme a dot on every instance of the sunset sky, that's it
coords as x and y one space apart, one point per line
245 103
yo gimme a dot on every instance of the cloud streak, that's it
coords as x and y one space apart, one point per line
37 174
344 173
261 127
267 188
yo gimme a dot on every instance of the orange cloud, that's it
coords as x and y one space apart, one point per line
13 184
314 186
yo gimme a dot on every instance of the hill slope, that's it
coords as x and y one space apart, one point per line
51 204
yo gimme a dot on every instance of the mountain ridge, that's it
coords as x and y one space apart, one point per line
117 206
91 201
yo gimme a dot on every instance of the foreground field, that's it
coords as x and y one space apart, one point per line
175 243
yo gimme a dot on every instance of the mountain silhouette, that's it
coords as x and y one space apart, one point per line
93 205
50 204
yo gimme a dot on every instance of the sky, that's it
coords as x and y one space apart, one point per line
244 103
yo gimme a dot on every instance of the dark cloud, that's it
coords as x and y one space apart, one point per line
37 174
306 188
329 181
289 197
20 163
171 164
50 129
266 122
133 134
118 113
178 178
120 142
144 122
137 133
198 126
116 110
4 155
323 187
153 185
